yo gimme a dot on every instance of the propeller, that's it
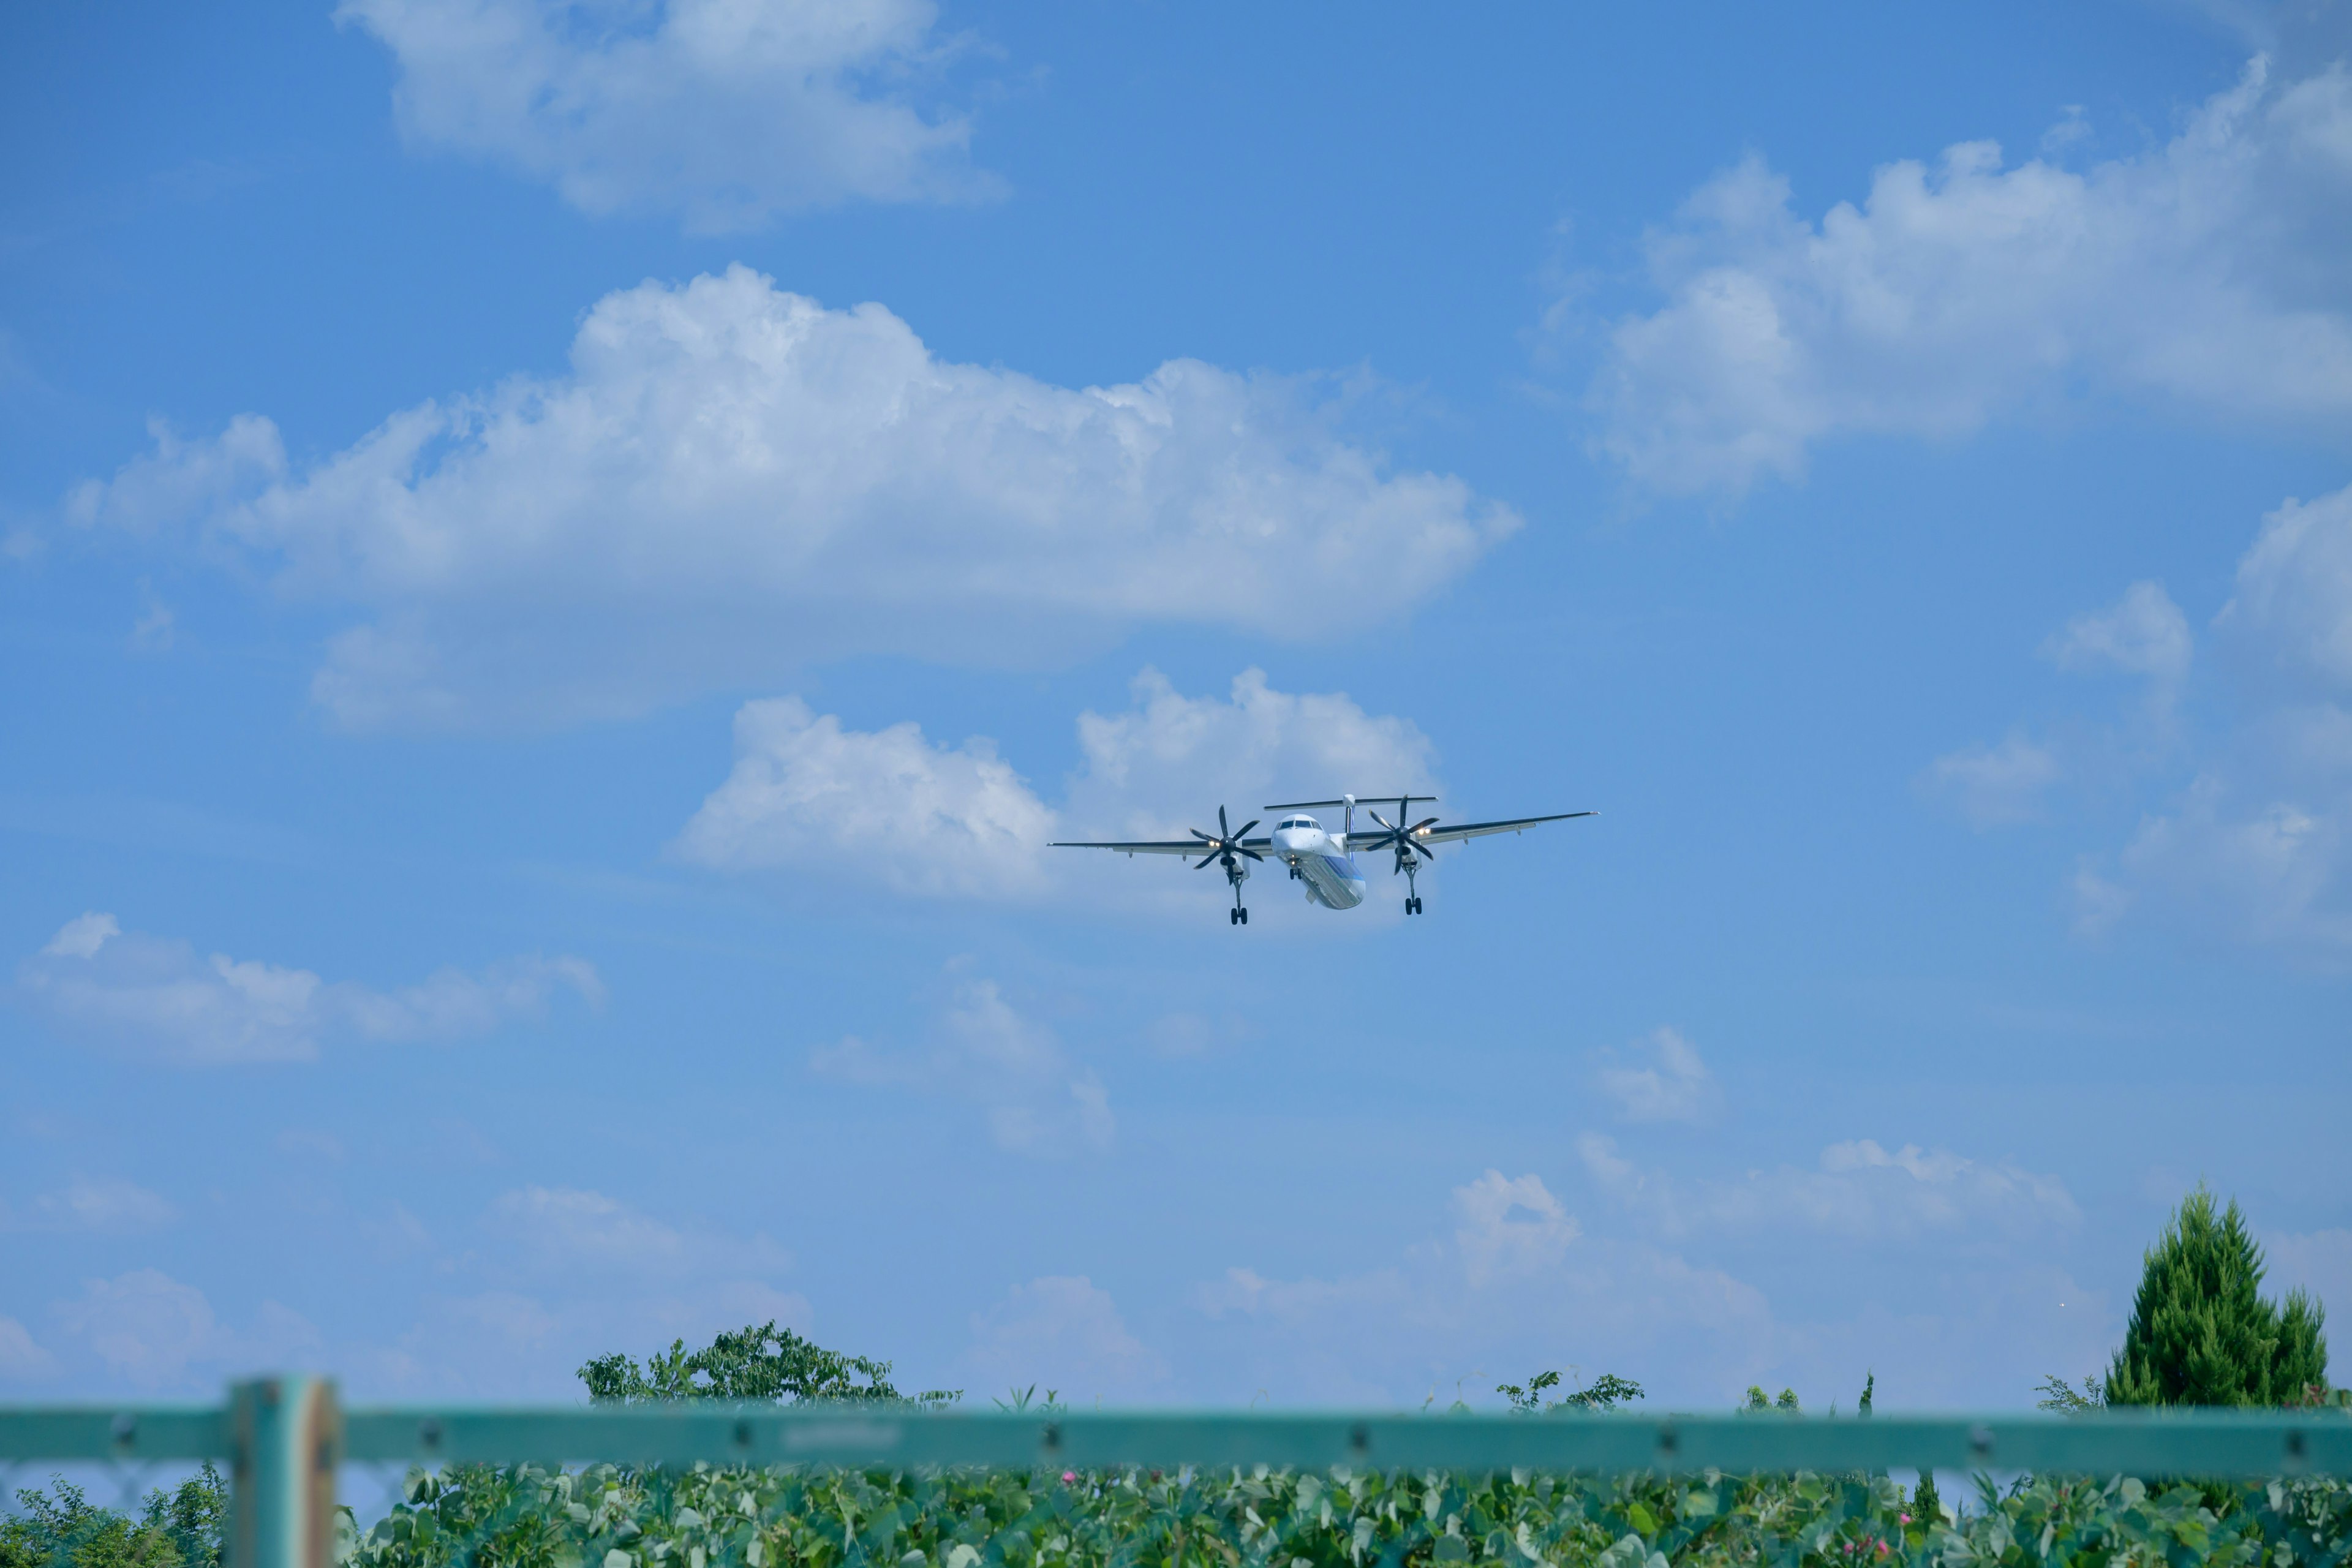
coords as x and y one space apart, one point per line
1402 840
1226 844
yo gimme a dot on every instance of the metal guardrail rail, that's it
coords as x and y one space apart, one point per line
283 1439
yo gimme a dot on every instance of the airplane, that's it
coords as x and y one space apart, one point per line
1322 859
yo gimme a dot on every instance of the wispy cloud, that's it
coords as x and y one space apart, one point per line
1673 1085
154 995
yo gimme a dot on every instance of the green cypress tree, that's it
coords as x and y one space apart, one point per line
2201 1333
1926 1508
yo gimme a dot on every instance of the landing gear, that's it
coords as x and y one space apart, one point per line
1237 916
1412 905
1411 875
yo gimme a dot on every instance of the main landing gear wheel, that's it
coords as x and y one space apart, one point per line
1237 916
1412 905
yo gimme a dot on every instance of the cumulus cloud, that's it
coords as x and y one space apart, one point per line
2201 273
153 1332
155 996
1676 1085
1064 1334
85 1206
922 817
1858 1190
1509 1225
1035 1100
2257 845
733 481
726 112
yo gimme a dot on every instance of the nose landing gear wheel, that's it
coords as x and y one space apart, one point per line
1412 905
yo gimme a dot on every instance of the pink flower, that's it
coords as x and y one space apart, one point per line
1881 1549
1069 1475
1906 1518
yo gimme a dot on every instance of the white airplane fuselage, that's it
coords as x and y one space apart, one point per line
1321 860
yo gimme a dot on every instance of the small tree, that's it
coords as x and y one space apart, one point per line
1604 1393
2201 1333
752 1365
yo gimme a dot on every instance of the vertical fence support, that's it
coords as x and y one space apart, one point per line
286 1440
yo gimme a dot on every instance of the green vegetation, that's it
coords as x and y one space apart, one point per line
2200 1332
750 1366
612 1517
1606 1393
63 1529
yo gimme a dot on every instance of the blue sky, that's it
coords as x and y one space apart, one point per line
559 564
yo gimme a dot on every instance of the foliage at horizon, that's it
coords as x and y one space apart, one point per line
1604 1393
63 1529
756 1365
2200 1332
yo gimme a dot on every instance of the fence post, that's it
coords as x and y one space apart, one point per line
286 1439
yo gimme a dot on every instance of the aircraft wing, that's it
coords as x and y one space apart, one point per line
1167 846
1443 834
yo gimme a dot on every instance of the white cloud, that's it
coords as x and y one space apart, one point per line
892 807
2143 633
154 995
154 1331
21 1359
2295 590
2201 272
924 819
725 111
1063 1334
733 481
1676 1088
1859 1190
2258 844
1506 1225
2265 871
1034 1098
87 1205
1994 785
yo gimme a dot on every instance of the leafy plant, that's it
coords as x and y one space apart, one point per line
2059 1394
1605 1392
753 1365
2200 1332
63 1529
610 1517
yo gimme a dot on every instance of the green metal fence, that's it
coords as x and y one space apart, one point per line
283 1440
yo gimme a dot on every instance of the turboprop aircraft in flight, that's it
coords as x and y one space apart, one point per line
1322 859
